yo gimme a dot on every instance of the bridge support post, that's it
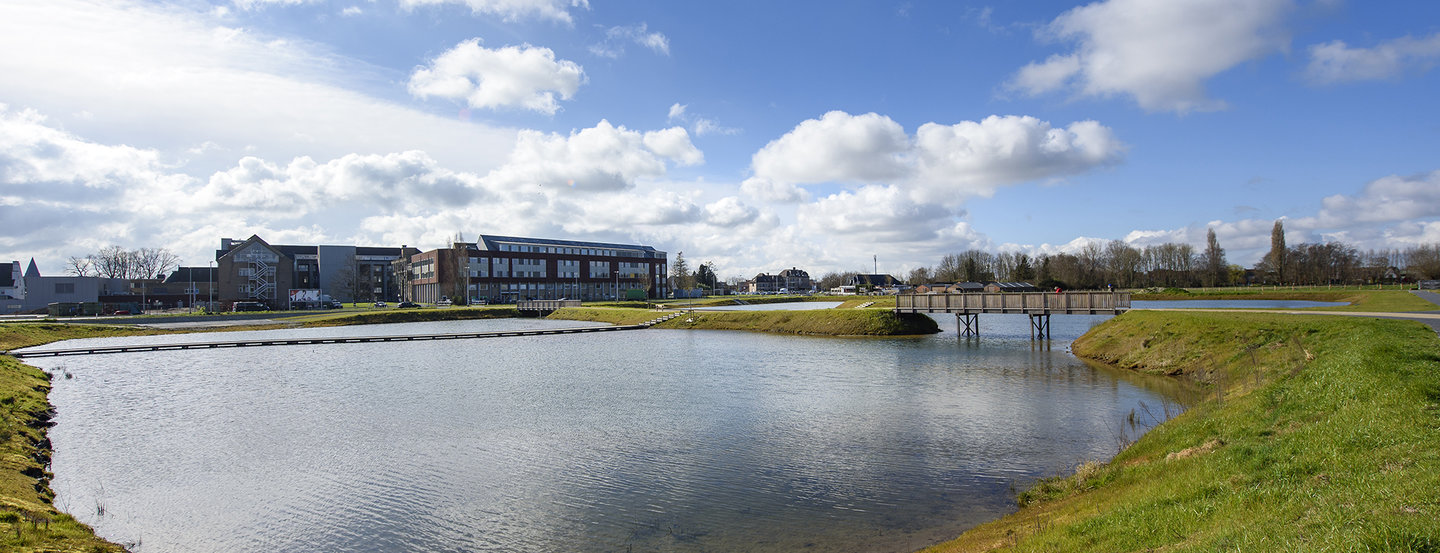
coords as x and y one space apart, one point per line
1040 326
970 322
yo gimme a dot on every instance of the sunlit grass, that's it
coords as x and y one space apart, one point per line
1318 434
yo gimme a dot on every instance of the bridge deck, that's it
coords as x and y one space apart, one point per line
1025 303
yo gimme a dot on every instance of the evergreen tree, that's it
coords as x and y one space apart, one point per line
680 277
1216 271
1277 258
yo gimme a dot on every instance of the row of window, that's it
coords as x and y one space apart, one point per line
564 250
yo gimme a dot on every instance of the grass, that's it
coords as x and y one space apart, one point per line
1374 301
403 316
28 519
1317 434
820 322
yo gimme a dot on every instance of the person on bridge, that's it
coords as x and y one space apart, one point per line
1057 289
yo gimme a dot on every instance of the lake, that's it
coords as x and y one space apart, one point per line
653 440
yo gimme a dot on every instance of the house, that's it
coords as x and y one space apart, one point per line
255 270
509 268
876 283
796 280
994 287
765 283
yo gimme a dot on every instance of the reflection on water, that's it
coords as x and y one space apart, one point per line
656 440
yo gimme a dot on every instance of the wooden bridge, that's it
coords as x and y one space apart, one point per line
259 342
544 306
1038 305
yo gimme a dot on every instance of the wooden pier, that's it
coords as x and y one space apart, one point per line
261 342
1038 305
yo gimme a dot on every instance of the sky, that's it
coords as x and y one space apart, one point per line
756 135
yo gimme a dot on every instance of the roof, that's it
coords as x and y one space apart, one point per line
491 240
191 274
794 273
875 280
1015 286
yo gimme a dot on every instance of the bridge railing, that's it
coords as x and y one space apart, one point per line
1014 302
545 305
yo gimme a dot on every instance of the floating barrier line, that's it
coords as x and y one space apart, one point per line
97 350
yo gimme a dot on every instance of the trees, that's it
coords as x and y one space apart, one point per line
1274 262
1216 272
705 275
118 262
680 277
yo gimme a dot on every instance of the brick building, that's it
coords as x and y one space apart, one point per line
503 269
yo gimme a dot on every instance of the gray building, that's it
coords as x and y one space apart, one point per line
39 291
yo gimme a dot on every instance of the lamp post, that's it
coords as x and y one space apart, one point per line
214 279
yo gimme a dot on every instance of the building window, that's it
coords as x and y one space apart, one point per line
64 288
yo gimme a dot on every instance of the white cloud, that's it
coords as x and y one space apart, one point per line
512 10
1386 200
601 158
352 11
704 126
873 215
257 4
1336 62
729 212
526 77
677 111
974 158
674 143
770 191
159 77
943 164
1160 52
613 46
836 147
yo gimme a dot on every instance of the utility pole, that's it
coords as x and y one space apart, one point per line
876 259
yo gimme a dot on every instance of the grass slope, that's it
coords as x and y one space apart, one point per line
28 520
1319 434
820 322
1374 301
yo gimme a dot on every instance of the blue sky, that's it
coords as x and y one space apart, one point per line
757 135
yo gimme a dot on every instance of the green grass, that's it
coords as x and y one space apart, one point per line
28 519
1374 301
383 316
820 322
1317 434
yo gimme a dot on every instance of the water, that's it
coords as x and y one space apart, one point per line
654 440
786 306
1234 304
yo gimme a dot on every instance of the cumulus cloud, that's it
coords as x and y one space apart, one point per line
677 111
729 212
771 191
613 46
943 164
700 126
512 10
601 158
1385 200
526 77
1336 62
1160 52
873 215
674 143
408 180
836 147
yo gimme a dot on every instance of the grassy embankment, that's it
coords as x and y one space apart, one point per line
1318 434
28 520
1375 301
823 322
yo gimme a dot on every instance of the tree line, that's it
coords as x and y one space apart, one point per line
1118 264
118 262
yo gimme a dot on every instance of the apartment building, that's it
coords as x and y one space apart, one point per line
504 269
255 270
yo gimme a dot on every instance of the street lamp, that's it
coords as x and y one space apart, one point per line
214 279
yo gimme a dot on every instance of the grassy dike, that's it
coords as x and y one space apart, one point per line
28 519
1318 434
819 322
1395 301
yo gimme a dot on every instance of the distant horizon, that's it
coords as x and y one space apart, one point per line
754 136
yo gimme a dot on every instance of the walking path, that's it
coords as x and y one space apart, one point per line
1431 318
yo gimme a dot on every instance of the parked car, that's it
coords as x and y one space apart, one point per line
335 305
250 306
379 304
407 304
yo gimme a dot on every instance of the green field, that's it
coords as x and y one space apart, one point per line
1372 301
819 322
1316 434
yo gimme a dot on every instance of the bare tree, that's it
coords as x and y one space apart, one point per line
153 262
113 262
80 266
